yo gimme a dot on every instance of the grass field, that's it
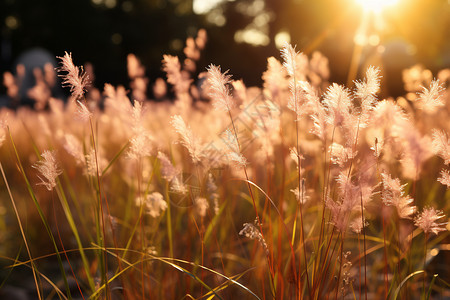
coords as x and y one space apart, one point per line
298 189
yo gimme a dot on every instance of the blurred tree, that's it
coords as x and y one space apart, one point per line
241 33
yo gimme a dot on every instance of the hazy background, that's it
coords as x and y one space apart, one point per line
241 34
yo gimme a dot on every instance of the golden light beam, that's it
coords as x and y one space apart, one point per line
376 6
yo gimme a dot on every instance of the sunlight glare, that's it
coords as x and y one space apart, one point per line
376 6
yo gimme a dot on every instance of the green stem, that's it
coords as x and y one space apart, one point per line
33 266
41 214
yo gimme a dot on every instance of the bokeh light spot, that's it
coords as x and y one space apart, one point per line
252 36
282 38
116 39
11 22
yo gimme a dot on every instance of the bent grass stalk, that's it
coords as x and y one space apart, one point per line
309 229
33 266
104 264
251 195
64 249
300 205
68 213
41 213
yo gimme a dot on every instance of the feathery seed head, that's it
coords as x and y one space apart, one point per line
232 148
73 146
370 86
168 171
337 103
171 65
154 204
218 88
251 231
357 225
441 145
426 220
289 56
140 145
430 99
48 168
201 206
445 178
300 193
2 132
394 194
175 76
177 186
188 139
339 217
83 112
74 77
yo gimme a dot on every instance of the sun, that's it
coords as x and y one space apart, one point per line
376 6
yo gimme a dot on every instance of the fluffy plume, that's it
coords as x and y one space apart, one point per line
180 80
267 127
48 168
339 217
232 148
74 76
319 68
346 213
140 145
134 67
136 115
201 206
177 186
289 56
154 204
340 154
171 174
416 150
297 100
218 88
74 148
274 78
319 117
250 231
430 99
141 141
445 178
117 101
91 163
349 192
300 193
441 145
394 194
357 225
211 188
188 139
2 133
388 115
83 112
366 91
168 171
426 220
337 103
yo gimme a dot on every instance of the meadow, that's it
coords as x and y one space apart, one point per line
298 189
